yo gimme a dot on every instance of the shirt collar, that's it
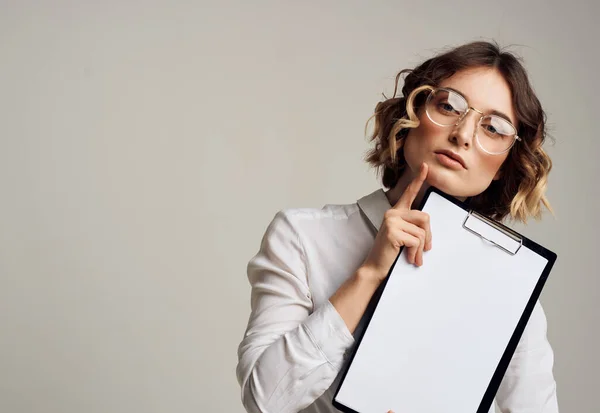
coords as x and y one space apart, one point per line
374 206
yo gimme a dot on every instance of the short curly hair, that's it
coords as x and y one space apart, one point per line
520 192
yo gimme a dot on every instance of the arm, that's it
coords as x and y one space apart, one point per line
528 385
291 354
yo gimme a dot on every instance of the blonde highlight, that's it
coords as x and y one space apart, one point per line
519 194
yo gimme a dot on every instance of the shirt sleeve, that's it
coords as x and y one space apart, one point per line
290 354
528 385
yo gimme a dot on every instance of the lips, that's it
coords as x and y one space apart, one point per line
453 155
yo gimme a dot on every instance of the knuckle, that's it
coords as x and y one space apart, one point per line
386 225
389 214
426 217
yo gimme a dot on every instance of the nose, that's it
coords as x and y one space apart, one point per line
464 133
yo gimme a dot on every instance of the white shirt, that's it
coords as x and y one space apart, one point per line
295 343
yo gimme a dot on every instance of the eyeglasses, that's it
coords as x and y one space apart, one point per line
494 134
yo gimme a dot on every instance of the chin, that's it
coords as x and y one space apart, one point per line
447 181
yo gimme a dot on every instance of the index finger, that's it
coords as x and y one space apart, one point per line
412 190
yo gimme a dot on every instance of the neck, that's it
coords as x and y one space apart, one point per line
394 194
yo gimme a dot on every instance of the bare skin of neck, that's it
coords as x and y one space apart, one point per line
393 194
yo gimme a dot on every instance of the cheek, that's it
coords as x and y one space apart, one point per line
428 131
490 164
421 141
414 148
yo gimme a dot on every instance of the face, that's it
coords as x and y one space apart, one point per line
485 90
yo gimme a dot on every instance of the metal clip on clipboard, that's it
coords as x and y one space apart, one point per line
493 232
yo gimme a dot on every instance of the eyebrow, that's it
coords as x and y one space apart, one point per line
493 112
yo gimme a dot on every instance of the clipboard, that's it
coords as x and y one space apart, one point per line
440 337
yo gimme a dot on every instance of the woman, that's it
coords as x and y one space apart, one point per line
468 123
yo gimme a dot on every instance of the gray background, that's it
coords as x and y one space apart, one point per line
145 146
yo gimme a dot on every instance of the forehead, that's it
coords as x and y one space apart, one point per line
485 89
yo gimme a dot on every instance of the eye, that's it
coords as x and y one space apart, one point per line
445 107
491 129
497 128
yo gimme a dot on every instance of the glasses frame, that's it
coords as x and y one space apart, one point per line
434 90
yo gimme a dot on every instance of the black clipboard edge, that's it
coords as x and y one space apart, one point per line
498 375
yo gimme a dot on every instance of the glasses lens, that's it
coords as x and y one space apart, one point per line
445 107
496 134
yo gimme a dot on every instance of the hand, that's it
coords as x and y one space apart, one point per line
401 226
